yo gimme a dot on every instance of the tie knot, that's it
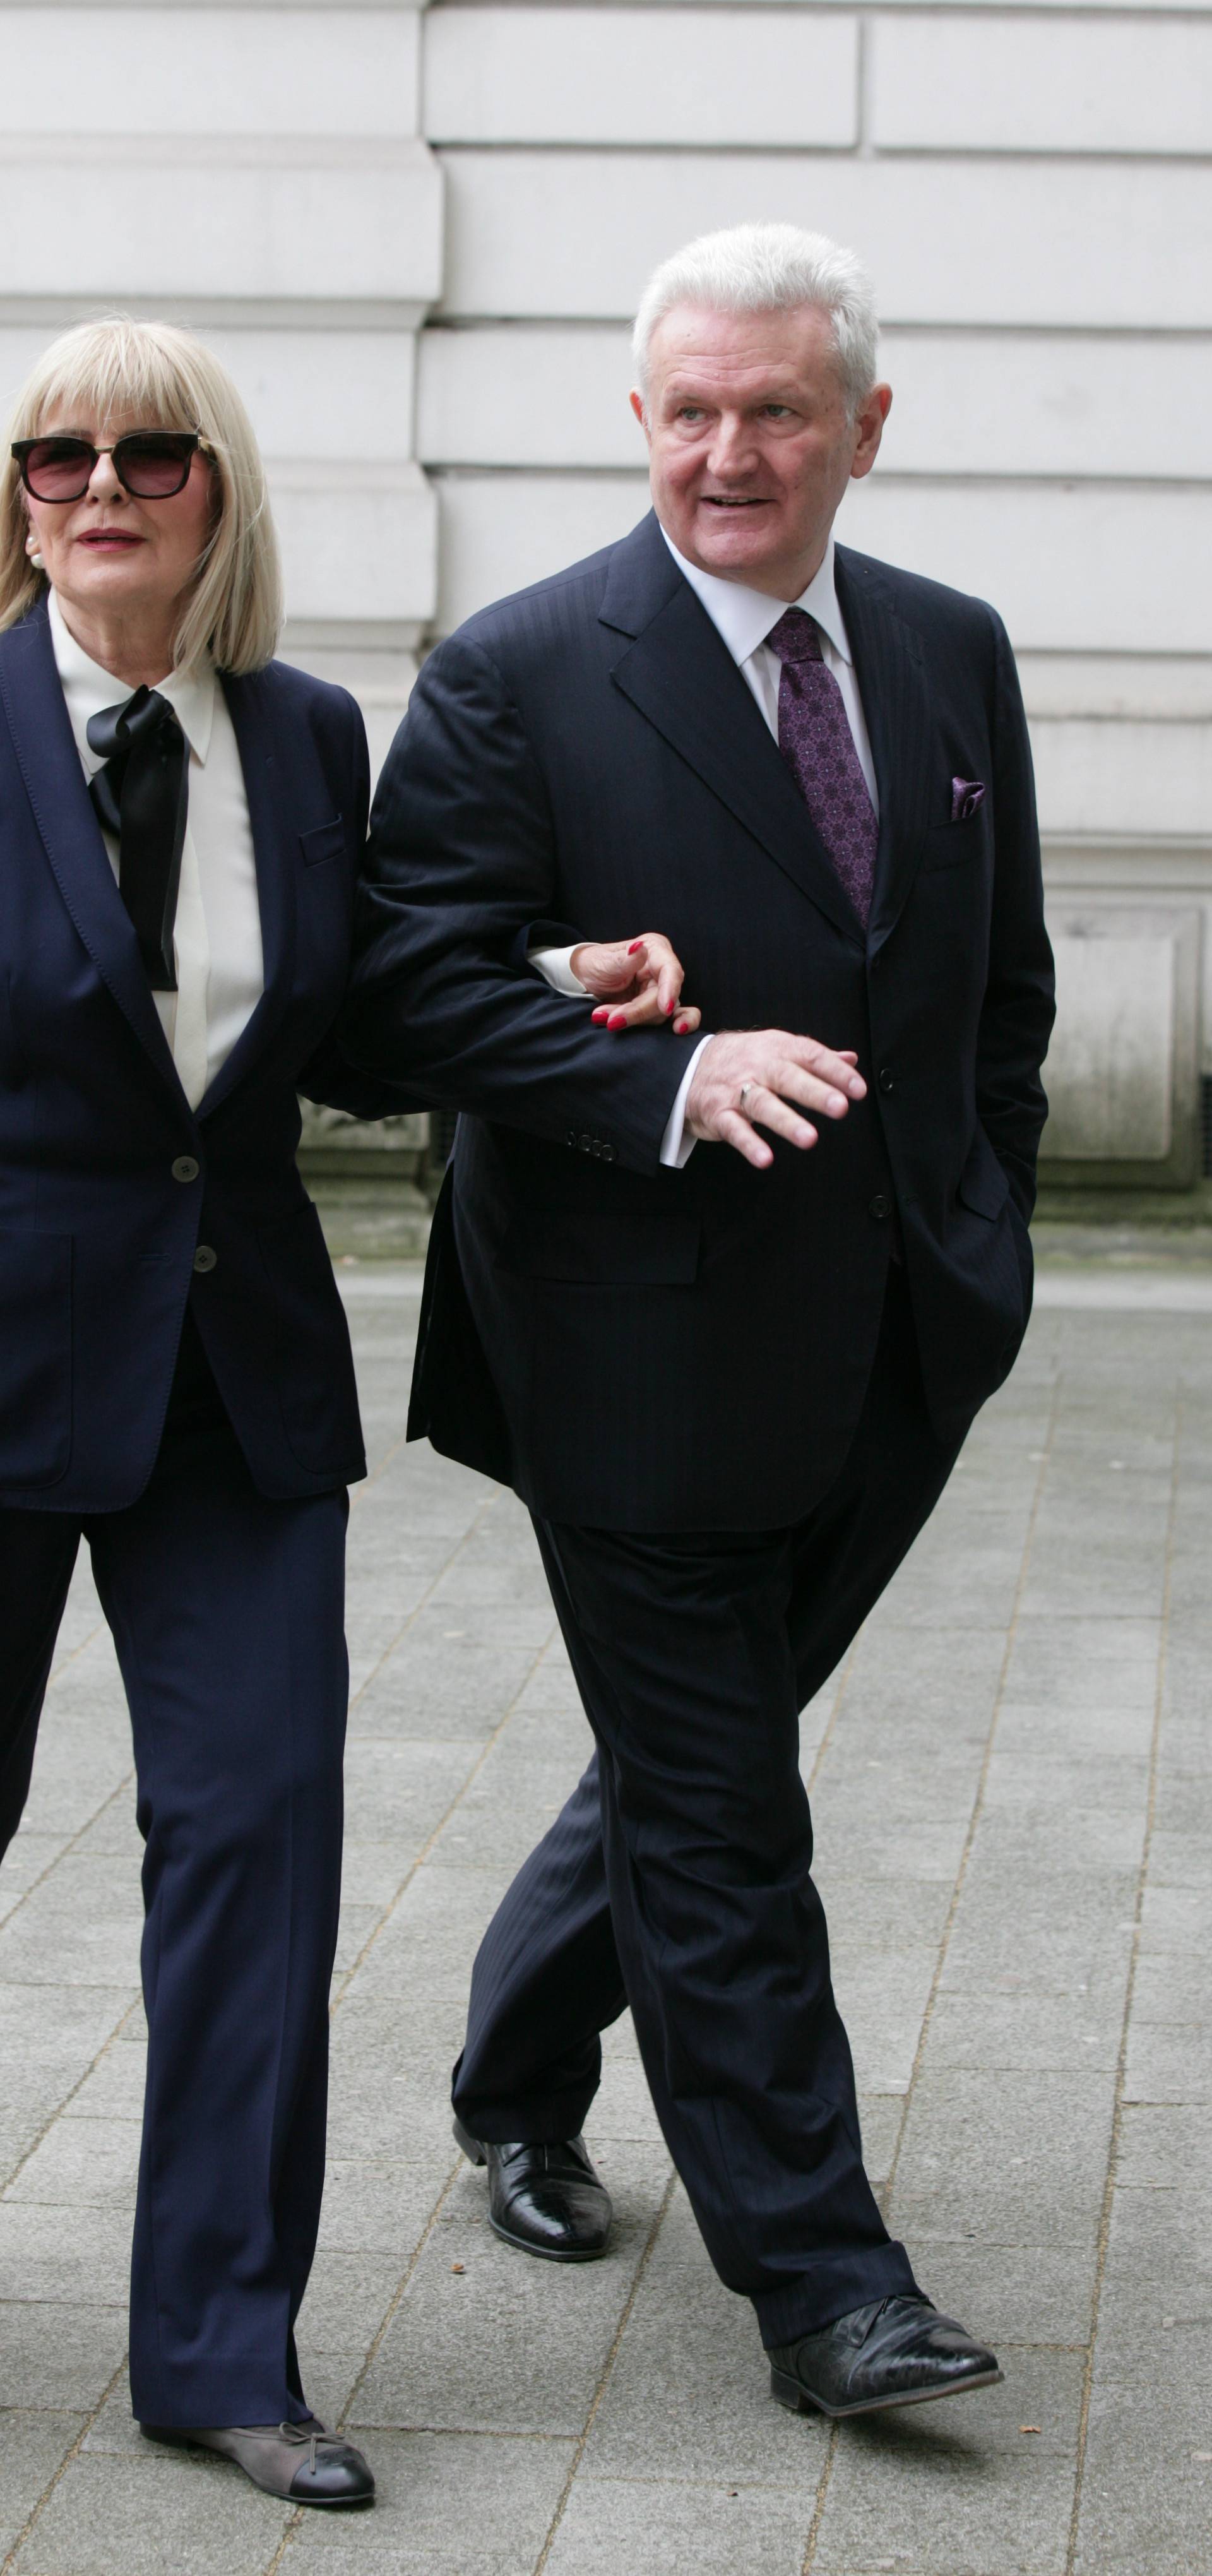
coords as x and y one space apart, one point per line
795 638
138 720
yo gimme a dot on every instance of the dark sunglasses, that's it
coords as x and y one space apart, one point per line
151 464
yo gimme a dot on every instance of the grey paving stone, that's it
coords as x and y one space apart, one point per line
190 2513
1146 2507
82 2164
64 2253
960 2488
1024 2031
31 2449
399 1792
51 2021
1016 2159
1085 1662
507 2344
27 1857
1169 2063
428 1946
450 2504
62 2357
690 2340
374 2206
1164 2146
93 1899
1010 2294
668 2530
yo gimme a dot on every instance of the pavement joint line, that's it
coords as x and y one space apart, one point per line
444 1819
978 1802
65 1849
300 2514
430 1588
1108 2200
834 1713
73 2451
607 2367
885 2194
60 2107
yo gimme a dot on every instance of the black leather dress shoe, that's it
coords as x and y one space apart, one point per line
304 2463
897 2352
546 2199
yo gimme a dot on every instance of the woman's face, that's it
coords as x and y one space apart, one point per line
108 554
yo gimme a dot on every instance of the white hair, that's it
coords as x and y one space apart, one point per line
769 268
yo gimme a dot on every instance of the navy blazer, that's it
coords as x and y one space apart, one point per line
649 1349
98 1233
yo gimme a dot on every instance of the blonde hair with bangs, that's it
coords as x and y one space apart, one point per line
160 377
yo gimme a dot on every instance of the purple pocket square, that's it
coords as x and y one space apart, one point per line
966 795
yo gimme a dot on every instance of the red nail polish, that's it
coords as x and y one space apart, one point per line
601 1012
617 1020
670 1006
636 943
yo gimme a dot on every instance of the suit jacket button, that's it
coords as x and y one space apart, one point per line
879 1206
886 1078
186 1168
206 1257
587 1144
608 1154
572 1136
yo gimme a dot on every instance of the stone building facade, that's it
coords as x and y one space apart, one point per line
417 237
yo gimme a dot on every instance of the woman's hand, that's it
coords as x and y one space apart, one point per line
639 982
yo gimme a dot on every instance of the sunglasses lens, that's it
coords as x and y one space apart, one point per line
57 469
153 466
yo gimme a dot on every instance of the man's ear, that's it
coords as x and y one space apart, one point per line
870 427
637 405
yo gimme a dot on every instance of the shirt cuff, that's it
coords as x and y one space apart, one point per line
555 967
676 1146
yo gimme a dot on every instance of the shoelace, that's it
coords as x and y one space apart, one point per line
301 2433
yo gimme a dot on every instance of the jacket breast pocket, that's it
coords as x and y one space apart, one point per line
35 1357
587 1250
324 841
955 845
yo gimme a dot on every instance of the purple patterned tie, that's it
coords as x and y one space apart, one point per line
817 744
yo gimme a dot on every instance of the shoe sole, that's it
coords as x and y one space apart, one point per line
793 2395
523 2244
175 2441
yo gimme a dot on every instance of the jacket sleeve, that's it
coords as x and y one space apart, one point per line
1020 1005
328 1076
462 860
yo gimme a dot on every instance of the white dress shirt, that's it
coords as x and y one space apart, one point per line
217 932
743 618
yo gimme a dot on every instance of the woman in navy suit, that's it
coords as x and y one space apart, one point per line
181 825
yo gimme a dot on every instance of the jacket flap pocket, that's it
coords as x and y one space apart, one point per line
593 1249
324 841
983 1185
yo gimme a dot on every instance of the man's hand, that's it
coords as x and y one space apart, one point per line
751 1078
639 982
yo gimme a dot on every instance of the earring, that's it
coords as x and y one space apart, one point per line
37 560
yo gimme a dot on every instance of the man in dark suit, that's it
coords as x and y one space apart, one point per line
730 1384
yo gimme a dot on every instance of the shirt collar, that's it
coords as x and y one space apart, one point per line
744 617
89 687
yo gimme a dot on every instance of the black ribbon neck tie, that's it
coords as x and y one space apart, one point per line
141 796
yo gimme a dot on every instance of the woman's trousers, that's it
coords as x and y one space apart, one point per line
227 1613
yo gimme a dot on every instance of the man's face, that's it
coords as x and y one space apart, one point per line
749 442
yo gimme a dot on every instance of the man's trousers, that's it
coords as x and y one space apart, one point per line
227 1615
677 1879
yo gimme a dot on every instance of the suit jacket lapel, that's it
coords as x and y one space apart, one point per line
900 723
276 851
50 765
680 675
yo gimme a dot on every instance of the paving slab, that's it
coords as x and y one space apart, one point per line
1011 1778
